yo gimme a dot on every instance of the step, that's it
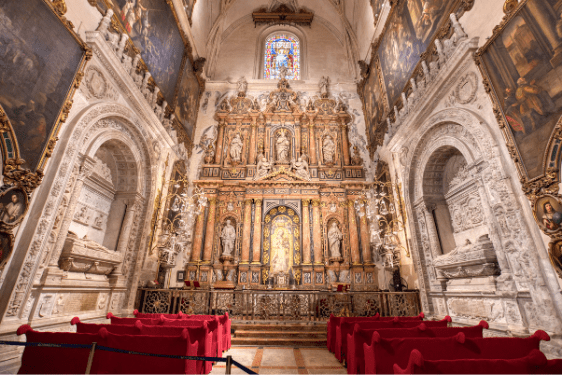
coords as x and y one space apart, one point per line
280 334
280 327
251 341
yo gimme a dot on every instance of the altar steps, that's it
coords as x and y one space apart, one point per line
279 334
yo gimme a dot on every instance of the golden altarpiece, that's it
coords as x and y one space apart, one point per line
282 189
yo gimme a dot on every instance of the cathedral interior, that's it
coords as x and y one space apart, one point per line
258 157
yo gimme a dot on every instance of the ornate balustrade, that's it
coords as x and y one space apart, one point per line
279 305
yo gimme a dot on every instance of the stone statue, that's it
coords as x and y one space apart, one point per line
236 148
283 147
356 159
263 169
301 168
329 150
283 72
242 86
228 237
324 82
334 240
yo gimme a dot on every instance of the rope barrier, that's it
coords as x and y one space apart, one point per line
115 350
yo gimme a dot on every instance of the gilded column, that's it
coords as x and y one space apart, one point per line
253 145
247 231
345 144
220 137
85 171
210 233
305 232
312 142
317 231
365 236
257 233
353 235
198 238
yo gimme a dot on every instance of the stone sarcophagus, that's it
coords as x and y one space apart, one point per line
84 255
469 260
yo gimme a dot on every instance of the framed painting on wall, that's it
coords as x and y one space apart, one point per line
152 27
38 76
374 107
188 98
523 62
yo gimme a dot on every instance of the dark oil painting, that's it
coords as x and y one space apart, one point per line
412 26
39 59
524 64
153 29
374 108
187 105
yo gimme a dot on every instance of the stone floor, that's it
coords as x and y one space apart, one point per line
282 360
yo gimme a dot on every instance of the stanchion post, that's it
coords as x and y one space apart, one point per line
228 364
91 358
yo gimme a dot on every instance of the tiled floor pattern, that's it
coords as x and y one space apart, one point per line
282 360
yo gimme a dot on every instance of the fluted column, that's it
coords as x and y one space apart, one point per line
247 232
353 235
253 144
365 236
432 231
317 231
256 252
312 143
305 232
345 144
220 137
210 233
86 170
198 237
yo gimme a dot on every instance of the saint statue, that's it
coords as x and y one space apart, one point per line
283 147
236 148
242 85
301 168
281 244
334 240
228 237
12 211
323 85
263 169
329 150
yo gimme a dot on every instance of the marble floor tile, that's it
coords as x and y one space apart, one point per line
278 357
315 358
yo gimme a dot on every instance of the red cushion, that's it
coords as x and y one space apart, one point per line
530 364
48 360
381 355
355 358
346 328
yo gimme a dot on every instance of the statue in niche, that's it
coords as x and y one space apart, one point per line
335 237
301 168
323 85
356 159
281 246
263 169
236 146
242 86
283 146
329 150
228 237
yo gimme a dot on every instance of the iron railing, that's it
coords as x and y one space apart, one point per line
279 305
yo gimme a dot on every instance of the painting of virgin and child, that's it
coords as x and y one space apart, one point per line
524 64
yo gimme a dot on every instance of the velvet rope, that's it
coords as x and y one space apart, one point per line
108 349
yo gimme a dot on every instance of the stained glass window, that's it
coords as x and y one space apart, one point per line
282 50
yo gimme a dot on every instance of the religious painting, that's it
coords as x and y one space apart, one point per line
6 246
548 213
282 53
281 241
37 72
523 62
152 27
13 205
373 105
411 28
555 255
189 94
